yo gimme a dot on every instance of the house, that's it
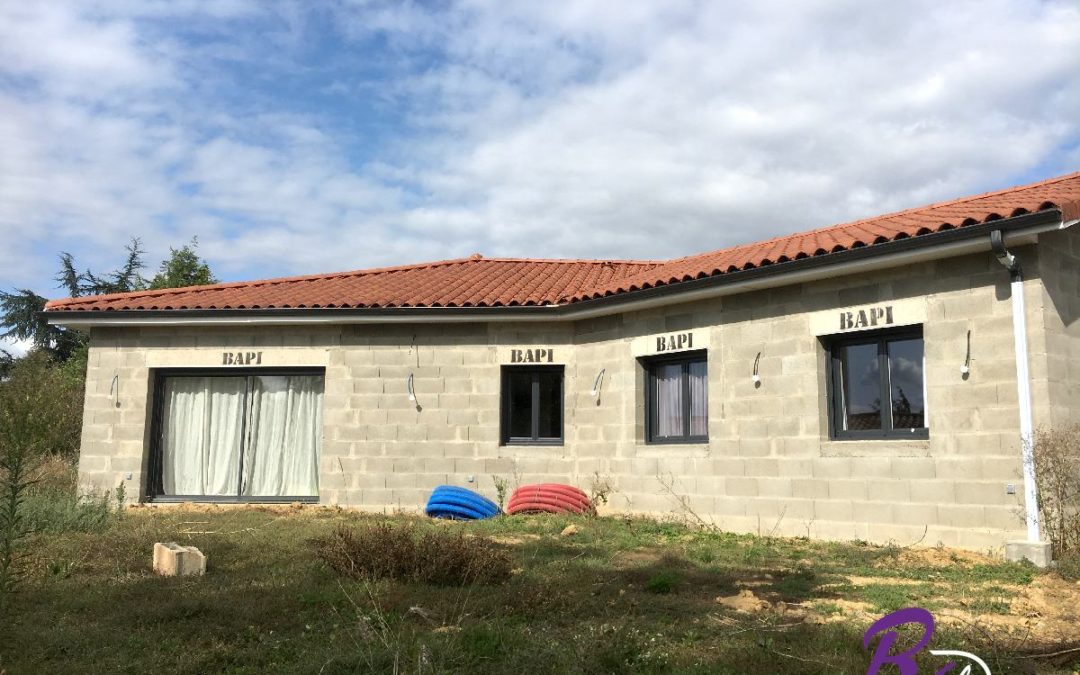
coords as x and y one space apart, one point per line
875 380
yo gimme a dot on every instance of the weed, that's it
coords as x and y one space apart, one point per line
383 551
481 643
798 585
663 582
599 489
891 597
828 608
501 487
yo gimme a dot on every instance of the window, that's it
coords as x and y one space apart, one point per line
677 399
237 437
871 369
532 405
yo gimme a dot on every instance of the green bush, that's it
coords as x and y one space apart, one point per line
663 582
41 403
383 551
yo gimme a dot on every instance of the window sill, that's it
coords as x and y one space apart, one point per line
682 449
876 447
197 499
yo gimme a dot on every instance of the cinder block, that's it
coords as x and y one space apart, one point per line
1037 552
173 560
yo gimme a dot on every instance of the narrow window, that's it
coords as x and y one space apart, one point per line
237 437
877 388
532 405
677 399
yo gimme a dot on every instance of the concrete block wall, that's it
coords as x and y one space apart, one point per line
1059 272
769 465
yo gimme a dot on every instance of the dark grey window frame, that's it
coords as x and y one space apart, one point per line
534 439
153 489
835 393
651 423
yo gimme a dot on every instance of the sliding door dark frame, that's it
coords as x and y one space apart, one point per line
652 422
155 484
534 419
836 394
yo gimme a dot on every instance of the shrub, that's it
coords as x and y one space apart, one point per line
1057 471
1068 566
385 551
52 503
663 582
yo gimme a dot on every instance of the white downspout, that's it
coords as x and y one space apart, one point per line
1023 382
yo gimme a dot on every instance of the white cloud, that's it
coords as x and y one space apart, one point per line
591 129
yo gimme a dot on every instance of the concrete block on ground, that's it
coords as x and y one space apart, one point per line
173 560
1037 552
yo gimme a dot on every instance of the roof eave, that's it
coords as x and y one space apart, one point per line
937 245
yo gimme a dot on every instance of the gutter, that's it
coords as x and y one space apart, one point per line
971 239
1023 382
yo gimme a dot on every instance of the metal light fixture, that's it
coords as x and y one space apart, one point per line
965 369
755 377
412 391
114 389
598 383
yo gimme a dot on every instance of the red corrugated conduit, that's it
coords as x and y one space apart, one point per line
549 498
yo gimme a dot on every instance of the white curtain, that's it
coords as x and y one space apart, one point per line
281 457
669 400
699 399
202 424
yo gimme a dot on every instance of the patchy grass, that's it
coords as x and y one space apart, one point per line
619 596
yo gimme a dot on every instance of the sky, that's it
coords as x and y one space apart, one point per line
300 136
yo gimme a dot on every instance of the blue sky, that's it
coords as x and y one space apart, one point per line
297 137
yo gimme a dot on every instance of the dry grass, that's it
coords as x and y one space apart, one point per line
387 551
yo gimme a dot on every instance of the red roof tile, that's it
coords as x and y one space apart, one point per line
504 282
1061 193
463 282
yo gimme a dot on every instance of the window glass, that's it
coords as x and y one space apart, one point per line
669 400
878 388
519 385
285 424
202 422
549 406
699 398
862 387
906 379
532 401
239 437
678 399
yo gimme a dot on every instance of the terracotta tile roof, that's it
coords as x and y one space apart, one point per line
463 282
1062 193
504 282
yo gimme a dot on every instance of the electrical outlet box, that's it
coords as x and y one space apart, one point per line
471 478
1010 489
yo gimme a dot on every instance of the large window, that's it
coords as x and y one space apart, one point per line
877 386
532 405
237 437
677 399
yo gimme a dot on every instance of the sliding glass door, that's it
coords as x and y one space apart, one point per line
252 437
